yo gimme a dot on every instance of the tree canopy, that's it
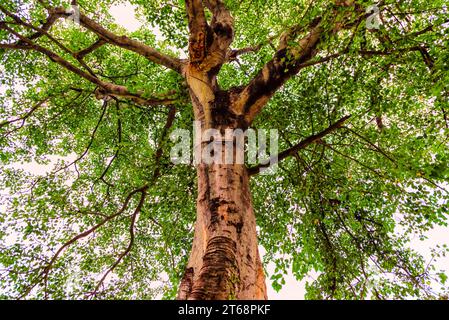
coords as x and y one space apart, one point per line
115 217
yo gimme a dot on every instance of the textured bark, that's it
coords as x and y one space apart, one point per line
225 257
224 262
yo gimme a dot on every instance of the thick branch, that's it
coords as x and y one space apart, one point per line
121 41
222 31
208 44
198 30
275 73
290 59
14 46
132 45
91 141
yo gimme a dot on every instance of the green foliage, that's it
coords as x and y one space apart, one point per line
344 208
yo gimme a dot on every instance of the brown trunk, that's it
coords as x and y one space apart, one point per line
224 262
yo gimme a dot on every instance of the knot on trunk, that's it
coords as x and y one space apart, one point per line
222 115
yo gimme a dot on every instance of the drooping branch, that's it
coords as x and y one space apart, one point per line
118 146
168 124
42 103
24 117
301 145
373 170
372 144
136 212
91 141
44 274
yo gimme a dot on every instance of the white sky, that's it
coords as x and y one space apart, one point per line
124 14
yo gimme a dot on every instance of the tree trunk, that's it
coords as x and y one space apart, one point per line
224 262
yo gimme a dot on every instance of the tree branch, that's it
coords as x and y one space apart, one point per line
25 116
118 146
209 44
97 44
107 87
45 27
168 124
294 149
131 241
132 45
232 55
92 138
222 29
274 74
47 269
198 30
108 36
289 60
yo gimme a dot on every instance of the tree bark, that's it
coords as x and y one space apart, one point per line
224 262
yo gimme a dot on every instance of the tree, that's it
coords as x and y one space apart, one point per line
358 93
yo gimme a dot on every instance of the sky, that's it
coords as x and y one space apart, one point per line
124 14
